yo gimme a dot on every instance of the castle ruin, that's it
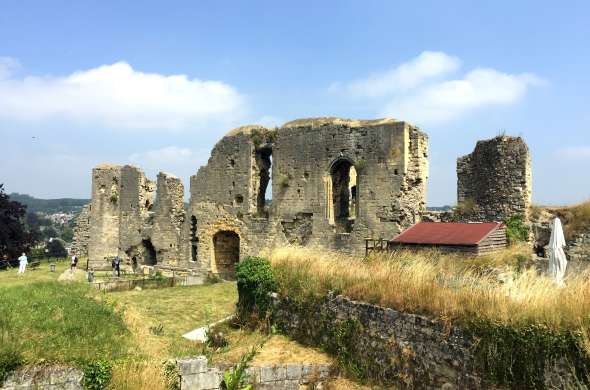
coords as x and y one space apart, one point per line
334 182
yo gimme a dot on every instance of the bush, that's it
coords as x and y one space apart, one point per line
10 360
516 230
255 283
97 375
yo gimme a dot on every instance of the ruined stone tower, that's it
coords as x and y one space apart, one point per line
494 182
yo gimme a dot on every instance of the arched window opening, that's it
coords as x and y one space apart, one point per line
263 170
149 252
194 238
343 195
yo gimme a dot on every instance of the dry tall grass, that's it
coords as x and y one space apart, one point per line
444 286
576 219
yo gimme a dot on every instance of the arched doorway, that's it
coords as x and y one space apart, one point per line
227 253
149 252
343 197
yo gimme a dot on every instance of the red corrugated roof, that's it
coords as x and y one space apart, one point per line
446 233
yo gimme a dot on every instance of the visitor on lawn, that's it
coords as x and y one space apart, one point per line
22 263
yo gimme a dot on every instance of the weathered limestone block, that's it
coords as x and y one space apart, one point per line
494 182
40 378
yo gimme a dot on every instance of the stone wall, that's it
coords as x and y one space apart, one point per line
494 182
41 378
335 182
578 248
196 374
169 229
82 232
393 347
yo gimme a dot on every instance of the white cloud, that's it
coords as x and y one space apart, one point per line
428 65
447 100
576 152
119 97
421 90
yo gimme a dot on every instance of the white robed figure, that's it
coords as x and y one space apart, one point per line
557 259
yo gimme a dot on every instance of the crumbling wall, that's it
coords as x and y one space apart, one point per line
389 158
169 220
82 232
335 182
494 182
104 214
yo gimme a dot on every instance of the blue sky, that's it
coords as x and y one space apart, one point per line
156 84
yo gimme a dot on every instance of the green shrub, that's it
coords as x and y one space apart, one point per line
10 360
237 378
516 230
517 356
97 375
171 375
255 281
283 181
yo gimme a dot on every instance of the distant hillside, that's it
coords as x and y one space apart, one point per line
49 206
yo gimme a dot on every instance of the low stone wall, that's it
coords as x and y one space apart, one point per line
579 247
392 347
196 374
41 378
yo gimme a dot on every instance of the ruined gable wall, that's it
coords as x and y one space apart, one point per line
82 232
390 159
104 214
494 182
136 199
169 221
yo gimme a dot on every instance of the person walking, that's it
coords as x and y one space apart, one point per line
74 263
22 263
118 266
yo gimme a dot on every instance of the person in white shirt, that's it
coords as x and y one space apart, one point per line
22 263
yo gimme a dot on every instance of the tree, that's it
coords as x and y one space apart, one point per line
14 238
56 248
67 234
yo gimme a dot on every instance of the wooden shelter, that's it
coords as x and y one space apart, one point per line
470 238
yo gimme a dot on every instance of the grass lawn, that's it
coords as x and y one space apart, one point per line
42 320
41 274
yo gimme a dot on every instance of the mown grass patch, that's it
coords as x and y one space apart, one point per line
50 322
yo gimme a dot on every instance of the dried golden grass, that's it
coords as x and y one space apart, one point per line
575 219
444 286
145 375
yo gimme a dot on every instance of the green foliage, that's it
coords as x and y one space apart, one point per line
465 207
97 375
236 378
360 165
171 375
516 230
255 281
56 248
157 330
10 360
517 356
59 323
283 181
345 338
50 206
67 234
